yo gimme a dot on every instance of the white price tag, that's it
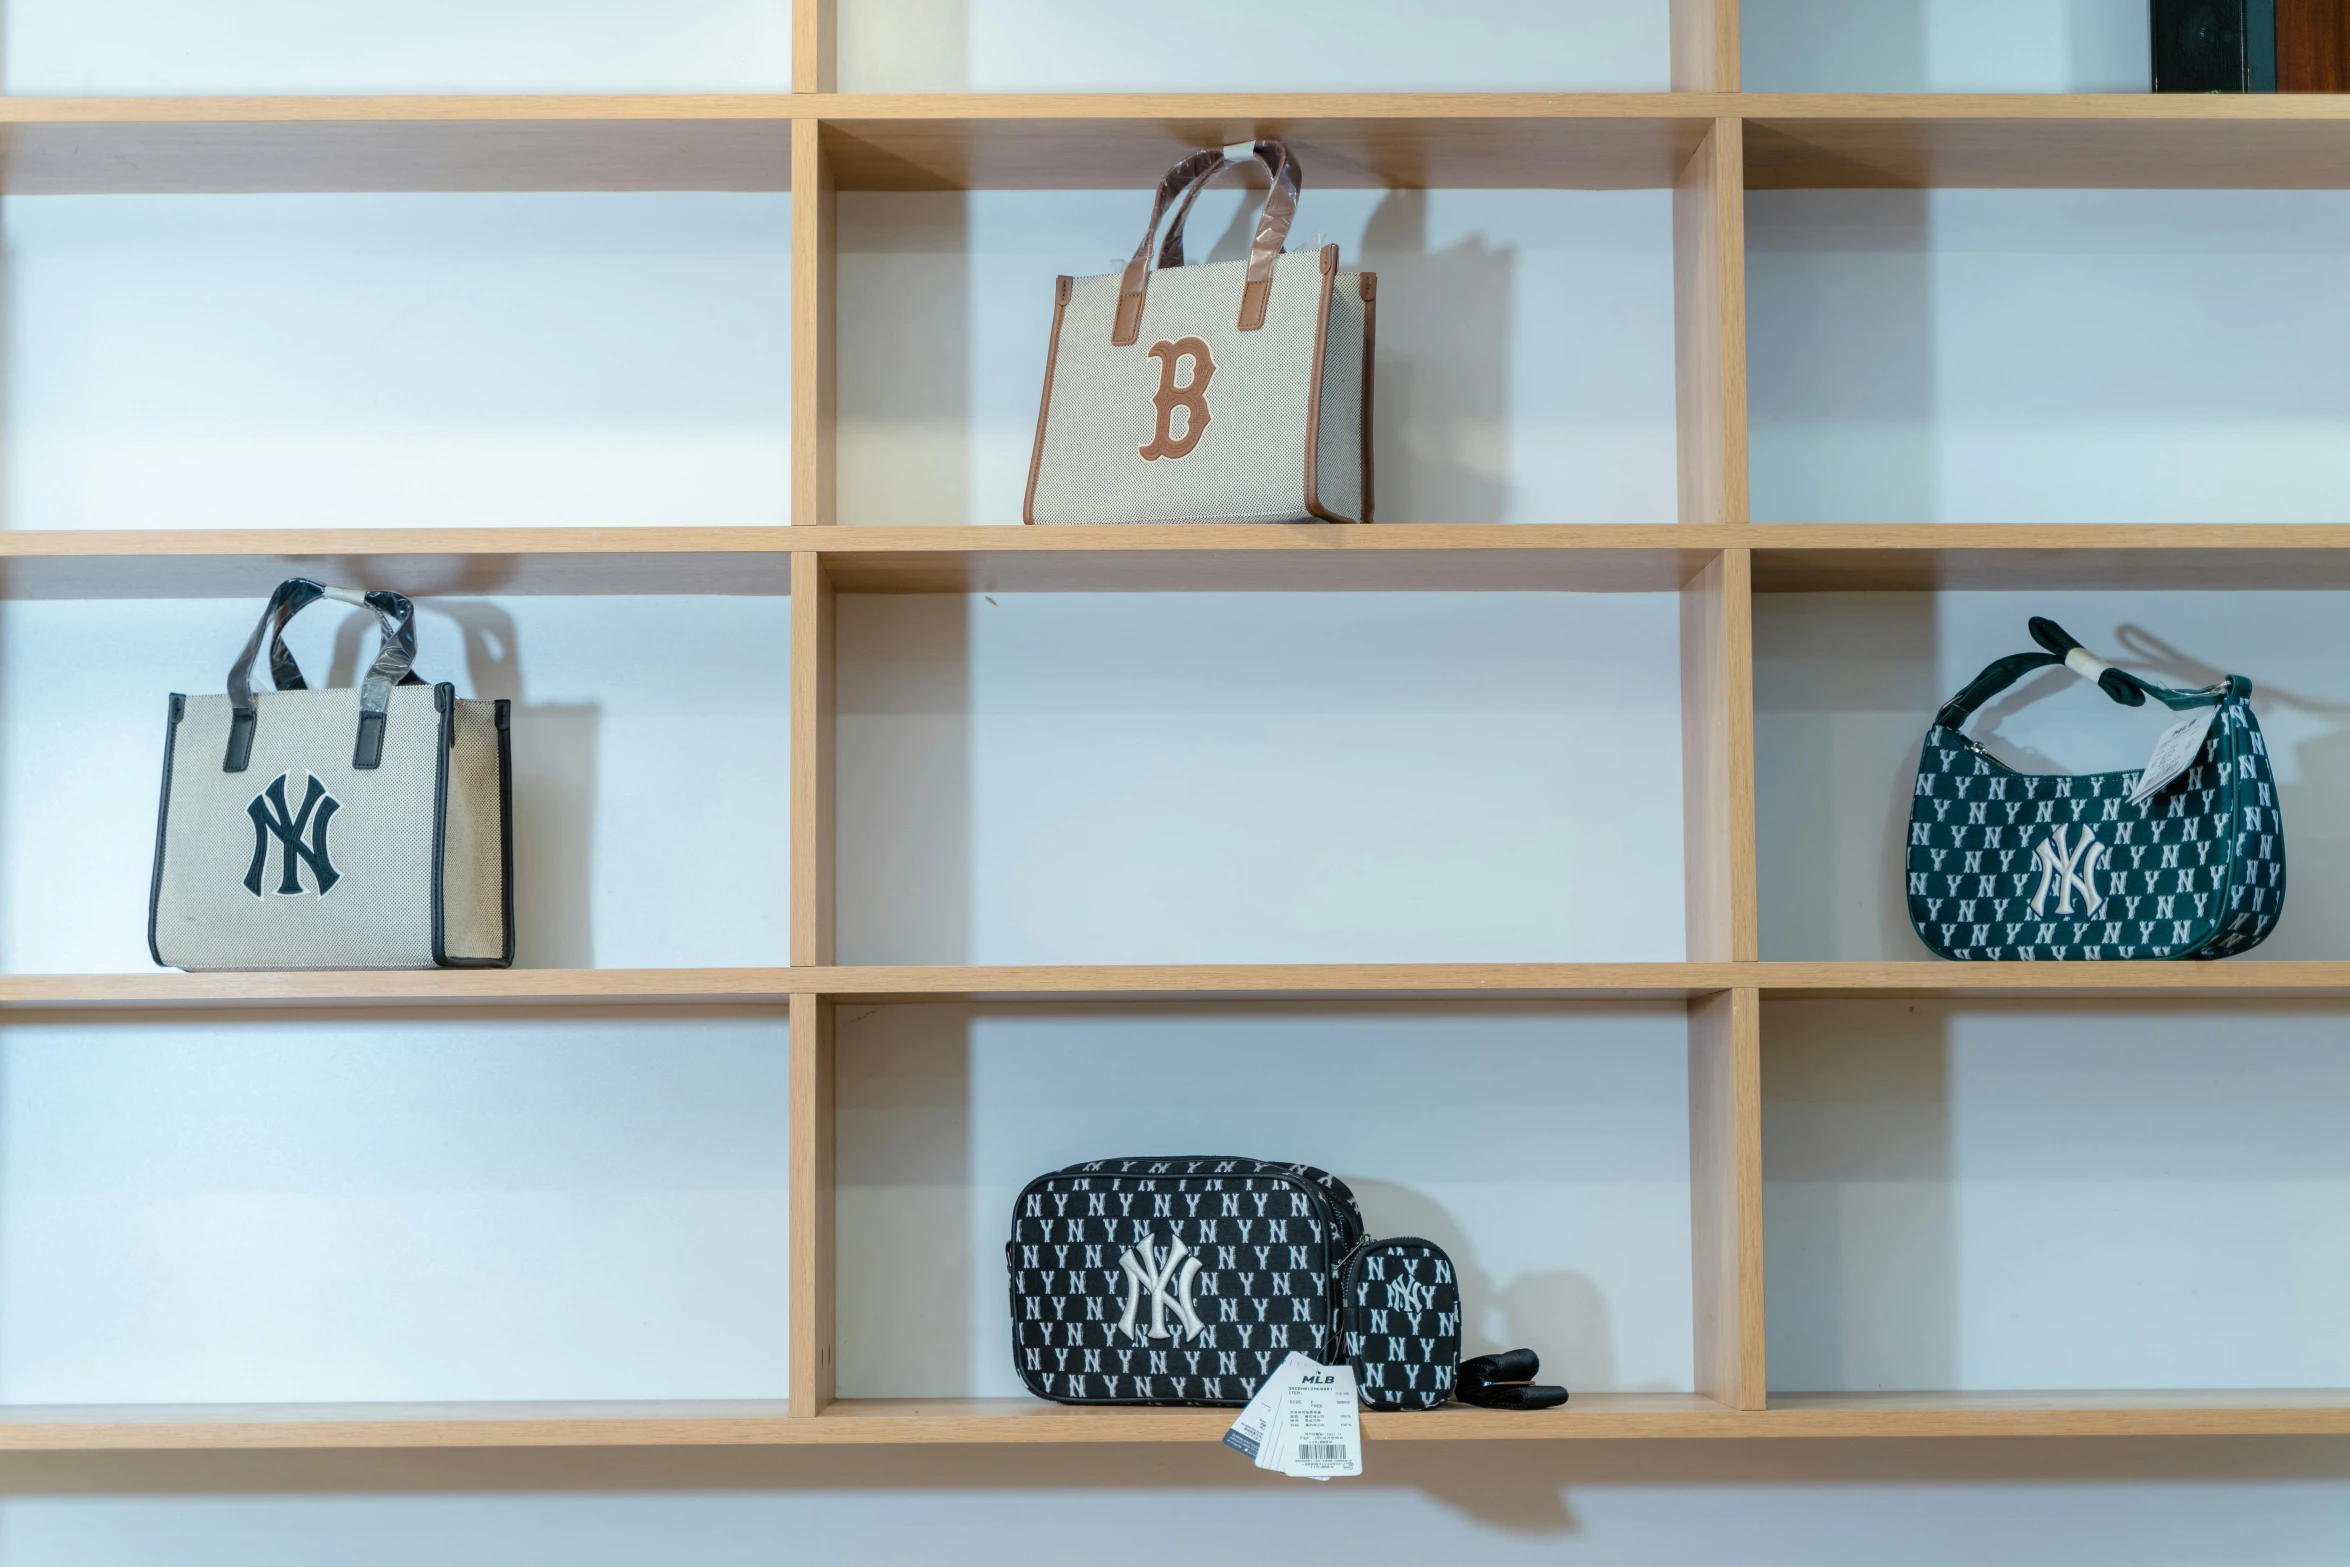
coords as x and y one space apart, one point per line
1248 1432
1317 1432
2173 754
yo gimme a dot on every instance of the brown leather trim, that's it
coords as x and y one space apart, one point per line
1370 288
1127 325
1044 405
1255 295
1314 506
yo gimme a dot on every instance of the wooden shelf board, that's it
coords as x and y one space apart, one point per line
1486 557
1125 141
1917 557
79 146
1368 982
172 992
1277 981
93 1429
248 562
1122 141
2048 141
2245 977
1477 557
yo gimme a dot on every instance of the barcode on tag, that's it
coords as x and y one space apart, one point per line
1320 1452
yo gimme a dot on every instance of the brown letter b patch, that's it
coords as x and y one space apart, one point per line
1192 397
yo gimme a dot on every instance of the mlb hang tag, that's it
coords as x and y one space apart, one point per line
1317 1432
1256 1422
2180 744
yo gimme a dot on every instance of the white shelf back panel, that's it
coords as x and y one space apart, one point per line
486 1208
2049 356
397 361
1239 46
1945 45
1256 778
2107 1195
423 46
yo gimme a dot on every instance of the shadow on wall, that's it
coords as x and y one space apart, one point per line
1858 1198
1560 1316
1837 739
1841 357
904 736
554 756
1440 403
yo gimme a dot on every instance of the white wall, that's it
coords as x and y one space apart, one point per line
1255 777
405 1185
389 361
589 1206
308 46
1946 46
2048 356
1237 46
2002 1195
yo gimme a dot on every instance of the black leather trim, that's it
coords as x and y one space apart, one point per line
501 713
444 699
171 735
367 752
241 724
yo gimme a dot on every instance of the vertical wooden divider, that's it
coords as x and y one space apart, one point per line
812 1206
815 246
1709 304
815 45
1725 1196
815 250
1717 727
1705 45
812 764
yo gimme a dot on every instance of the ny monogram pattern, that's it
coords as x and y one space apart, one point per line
1399 1322
2005 864
1173 1281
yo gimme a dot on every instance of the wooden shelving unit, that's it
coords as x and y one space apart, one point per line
1704 140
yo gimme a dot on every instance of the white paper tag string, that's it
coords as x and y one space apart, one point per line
1247 1436
2174 753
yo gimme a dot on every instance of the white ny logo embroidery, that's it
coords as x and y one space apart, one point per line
2064 868
1410 1295
1147 1271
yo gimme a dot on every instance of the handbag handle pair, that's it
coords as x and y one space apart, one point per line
2127 689
1187 179
395 659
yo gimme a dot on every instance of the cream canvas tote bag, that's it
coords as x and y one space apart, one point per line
361 829
1232 392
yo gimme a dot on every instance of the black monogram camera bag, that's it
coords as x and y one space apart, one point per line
1190 1280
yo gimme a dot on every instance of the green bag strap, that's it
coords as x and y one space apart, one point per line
2127 689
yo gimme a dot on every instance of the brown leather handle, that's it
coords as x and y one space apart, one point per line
1187 179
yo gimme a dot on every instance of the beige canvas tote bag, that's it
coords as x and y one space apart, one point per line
1231 392
360 829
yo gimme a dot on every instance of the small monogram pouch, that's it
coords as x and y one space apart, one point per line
1399 1322
350 829
1235 391
2184 858
1173 1281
